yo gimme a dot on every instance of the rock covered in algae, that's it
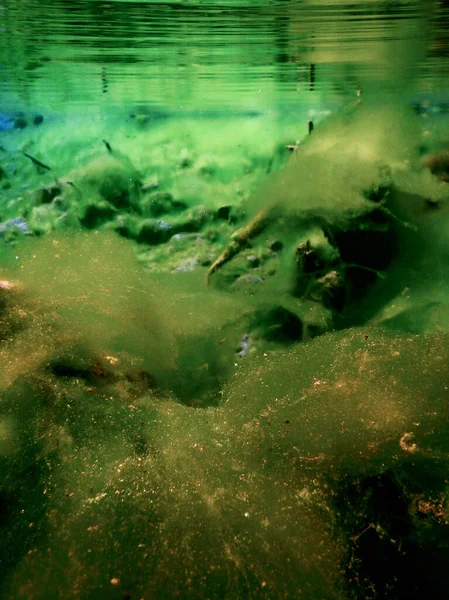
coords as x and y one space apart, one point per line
351 210
103 186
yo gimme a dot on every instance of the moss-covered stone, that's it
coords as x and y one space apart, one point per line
111 179
160 203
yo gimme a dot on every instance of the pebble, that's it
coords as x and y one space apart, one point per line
188 266
17 223
245 345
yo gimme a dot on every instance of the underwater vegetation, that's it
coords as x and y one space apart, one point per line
279 433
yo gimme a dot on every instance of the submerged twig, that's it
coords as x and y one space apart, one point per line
108 146
241 238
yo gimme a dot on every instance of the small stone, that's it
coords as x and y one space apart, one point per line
16 223
179 236
245 345
188 266
149 187
163 225
249 279
38 119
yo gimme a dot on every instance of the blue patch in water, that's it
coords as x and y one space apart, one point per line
6 122
16 223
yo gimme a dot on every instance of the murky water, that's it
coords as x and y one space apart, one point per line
224 313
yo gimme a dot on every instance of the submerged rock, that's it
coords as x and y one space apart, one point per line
245 345
110 178
188 266
18 224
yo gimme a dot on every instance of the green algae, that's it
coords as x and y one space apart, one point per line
150 185
162 438
135 492
111 306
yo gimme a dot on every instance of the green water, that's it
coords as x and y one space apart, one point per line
223 339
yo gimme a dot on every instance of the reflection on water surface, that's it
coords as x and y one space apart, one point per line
224 53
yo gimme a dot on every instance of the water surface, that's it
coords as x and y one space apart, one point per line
249 55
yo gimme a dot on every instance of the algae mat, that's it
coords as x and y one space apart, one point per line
278 433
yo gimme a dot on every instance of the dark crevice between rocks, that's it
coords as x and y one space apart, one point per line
277 324
363 250
397 533
97 374
97 214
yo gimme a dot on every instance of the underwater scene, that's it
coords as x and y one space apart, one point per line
224 299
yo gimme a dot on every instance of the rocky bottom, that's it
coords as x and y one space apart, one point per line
279 433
